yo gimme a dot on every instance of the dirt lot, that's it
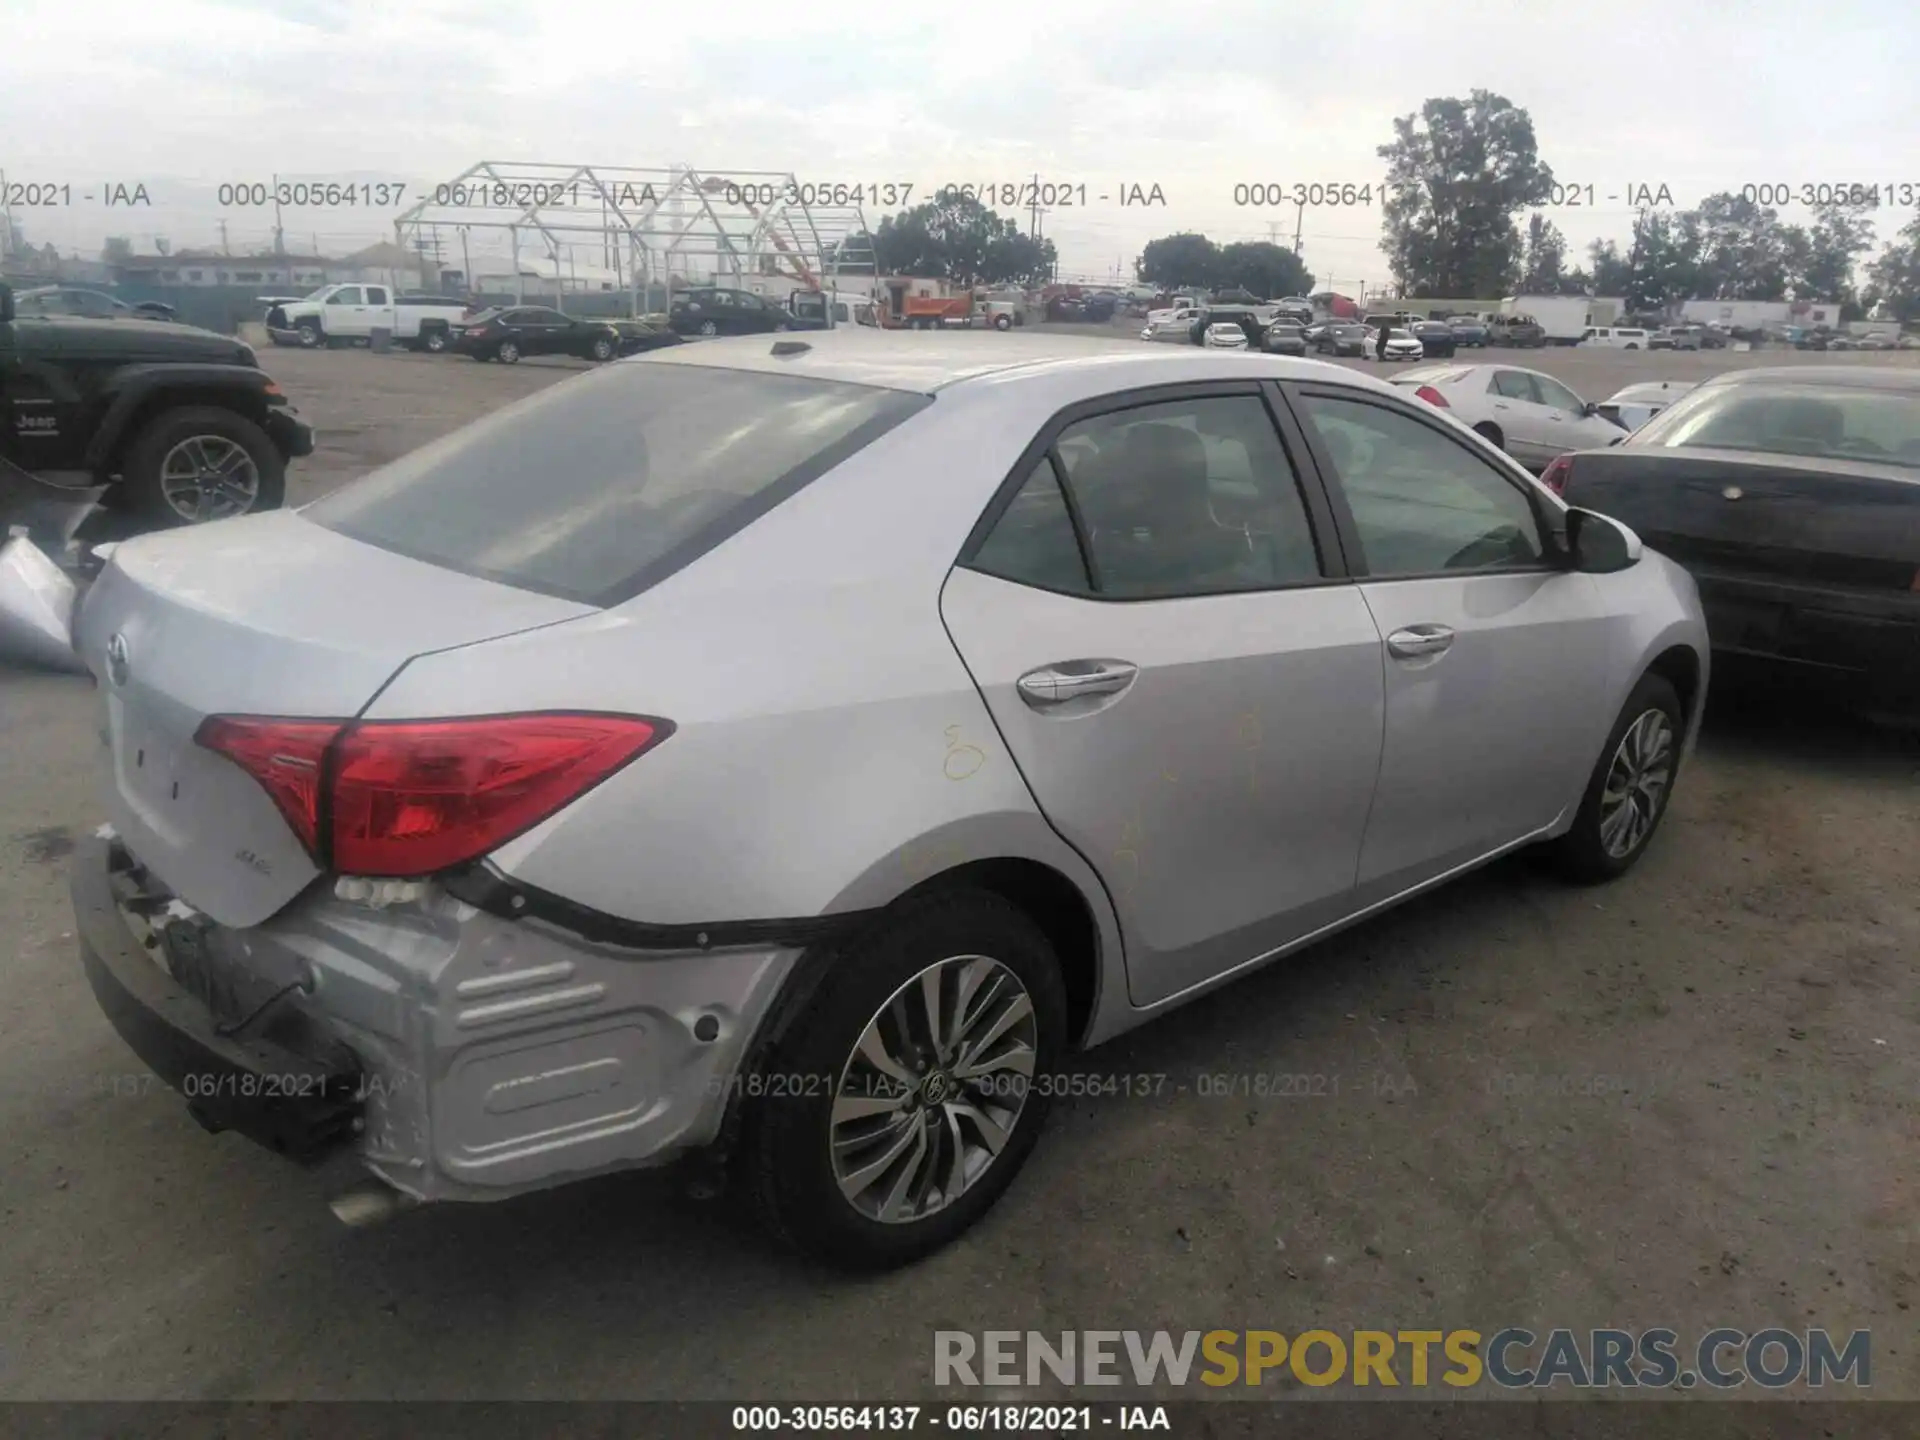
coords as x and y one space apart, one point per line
1688 1099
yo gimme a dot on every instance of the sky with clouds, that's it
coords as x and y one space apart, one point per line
1195 98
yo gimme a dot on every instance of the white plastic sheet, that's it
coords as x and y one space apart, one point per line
37 600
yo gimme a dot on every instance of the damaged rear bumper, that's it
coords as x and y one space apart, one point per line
461 1055
302 1101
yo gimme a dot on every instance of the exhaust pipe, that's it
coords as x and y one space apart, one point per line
370 1203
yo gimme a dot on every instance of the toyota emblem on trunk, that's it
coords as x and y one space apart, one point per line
118 659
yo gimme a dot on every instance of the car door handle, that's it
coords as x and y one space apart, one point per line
1418 640
1070 679
1498 405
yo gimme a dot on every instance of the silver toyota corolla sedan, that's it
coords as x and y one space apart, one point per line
790 751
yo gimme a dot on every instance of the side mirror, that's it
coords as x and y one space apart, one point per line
6 303
1599 545
1590 408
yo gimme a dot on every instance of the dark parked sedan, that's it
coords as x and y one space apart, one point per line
91 304
637 336
1468 332
1286 338
1793 495
713 310
1341 340
1435 337
505 334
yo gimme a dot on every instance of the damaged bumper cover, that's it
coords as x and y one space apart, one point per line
462 1055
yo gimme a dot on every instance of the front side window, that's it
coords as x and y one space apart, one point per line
1181 498
1558 396
346 295
1422 503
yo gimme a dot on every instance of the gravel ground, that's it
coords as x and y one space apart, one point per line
1688 1099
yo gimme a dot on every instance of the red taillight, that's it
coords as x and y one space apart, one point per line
413 797
1432 397
285 756
1554 477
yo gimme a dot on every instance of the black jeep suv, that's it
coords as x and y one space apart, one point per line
181 422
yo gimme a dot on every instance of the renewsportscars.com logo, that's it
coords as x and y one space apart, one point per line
1511 1359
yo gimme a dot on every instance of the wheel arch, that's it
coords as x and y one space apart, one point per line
139 404
1680 666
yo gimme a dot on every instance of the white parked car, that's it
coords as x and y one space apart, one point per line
1531 416
1226 335
1399 345
1186 304
1632 407
353 312
1175 326
1615 337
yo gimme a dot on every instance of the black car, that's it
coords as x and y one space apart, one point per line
1098 309
1468 332
713 310
505 333
638 336
1341 339
1793 496
1286 338
181 422
1435 337
87 304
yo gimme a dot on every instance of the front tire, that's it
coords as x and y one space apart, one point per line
903 1100
312 337
200 463
708 327
1002 322
1627 796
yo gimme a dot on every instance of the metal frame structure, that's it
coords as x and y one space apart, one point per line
646 221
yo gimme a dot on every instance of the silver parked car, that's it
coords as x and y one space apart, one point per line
836 738
1527 413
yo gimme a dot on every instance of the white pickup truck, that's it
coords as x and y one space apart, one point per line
336 314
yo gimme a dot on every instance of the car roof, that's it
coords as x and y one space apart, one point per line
1651 390
927 362
1847 377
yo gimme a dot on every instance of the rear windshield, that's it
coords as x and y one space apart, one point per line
607 483
1822 421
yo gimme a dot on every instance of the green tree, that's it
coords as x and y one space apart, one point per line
1746 253
957 238
1543 262
1894 279
1841 234
1663 265
1457 173
1180 262
1265 269
1612 273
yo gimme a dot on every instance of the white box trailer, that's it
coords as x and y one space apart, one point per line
1563 317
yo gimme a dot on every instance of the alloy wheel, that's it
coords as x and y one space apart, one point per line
209 477
1637 783
933 1090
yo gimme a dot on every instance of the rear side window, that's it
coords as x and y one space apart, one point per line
608 483
1033 541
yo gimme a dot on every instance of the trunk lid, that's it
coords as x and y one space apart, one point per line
1816 521
267 615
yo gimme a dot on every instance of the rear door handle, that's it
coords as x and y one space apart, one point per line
1418 640
1070 679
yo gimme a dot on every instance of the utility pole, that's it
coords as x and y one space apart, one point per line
1299 219
225 248
279 235
1034 209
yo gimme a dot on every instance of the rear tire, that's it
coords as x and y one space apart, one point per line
1491 432
799 1165
1604 843
142 469
434 341
507 353
603 349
